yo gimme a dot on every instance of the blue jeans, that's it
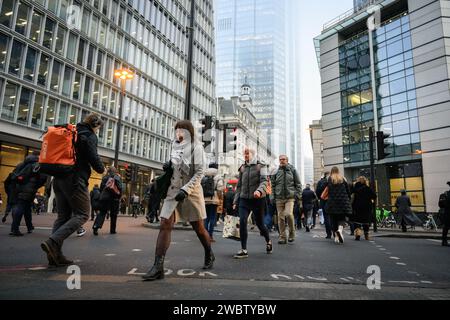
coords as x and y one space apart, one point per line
257 206
210 221
21 208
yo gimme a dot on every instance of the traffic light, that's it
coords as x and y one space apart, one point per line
128 173
382 145
207 125
230 141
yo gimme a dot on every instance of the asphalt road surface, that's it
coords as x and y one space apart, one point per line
312 268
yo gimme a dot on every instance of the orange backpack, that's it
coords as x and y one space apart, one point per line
58 150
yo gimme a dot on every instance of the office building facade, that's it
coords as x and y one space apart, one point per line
412 98
57 62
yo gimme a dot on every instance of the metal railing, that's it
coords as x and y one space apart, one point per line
348 14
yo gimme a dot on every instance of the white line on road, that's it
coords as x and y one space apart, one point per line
300 277
38 268
317 279
136 250
401 264
110 255
404 282
394 258
426 282
438 241
346 280
382 249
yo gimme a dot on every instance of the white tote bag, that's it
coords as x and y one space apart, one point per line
231 228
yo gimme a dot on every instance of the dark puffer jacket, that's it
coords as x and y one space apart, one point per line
87 156
32 181
339 199
252 178
362 203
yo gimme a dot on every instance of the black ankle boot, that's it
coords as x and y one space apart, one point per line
209 261
157 271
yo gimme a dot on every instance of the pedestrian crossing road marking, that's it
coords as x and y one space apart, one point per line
180 273
136 250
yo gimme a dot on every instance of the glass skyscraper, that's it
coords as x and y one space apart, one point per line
253 46
57 65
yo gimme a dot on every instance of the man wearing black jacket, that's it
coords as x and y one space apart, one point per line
109 201
71 191
26 185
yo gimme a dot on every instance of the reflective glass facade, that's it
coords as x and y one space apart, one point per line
396 96
252 47
57 70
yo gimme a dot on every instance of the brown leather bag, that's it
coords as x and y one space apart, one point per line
324 195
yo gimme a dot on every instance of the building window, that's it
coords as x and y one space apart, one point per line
51 111
43 70
9 102
63 114
30 64
38 110
56 71
4 41
24 106
15 61
22 18
67 81
7 12
77 86
49 33
35 31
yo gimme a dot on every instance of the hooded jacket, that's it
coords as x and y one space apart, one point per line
87 156
26 191
286 184
218 187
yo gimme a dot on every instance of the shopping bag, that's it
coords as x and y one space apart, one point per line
231 228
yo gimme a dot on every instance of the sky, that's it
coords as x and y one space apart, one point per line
313 16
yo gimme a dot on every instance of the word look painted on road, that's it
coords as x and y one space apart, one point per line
374 281
74 280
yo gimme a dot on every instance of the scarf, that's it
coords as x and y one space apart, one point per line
181 155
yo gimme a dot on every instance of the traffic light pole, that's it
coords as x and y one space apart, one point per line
372 175
187 111
119 124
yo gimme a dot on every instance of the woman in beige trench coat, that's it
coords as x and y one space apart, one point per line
185 196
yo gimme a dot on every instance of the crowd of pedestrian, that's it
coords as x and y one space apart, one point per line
272 200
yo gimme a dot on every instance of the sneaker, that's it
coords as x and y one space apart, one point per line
95 230
291 241
242 254
282 241
367 236
16 234
307 229
336 239
269 247
340 234
4 219
81 232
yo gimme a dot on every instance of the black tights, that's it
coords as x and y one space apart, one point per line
165 232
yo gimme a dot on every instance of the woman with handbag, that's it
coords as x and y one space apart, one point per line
184 195
338 203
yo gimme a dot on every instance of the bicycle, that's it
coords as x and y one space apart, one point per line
430 224
385 219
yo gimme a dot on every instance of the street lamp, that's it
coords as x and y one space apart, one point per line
123 75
